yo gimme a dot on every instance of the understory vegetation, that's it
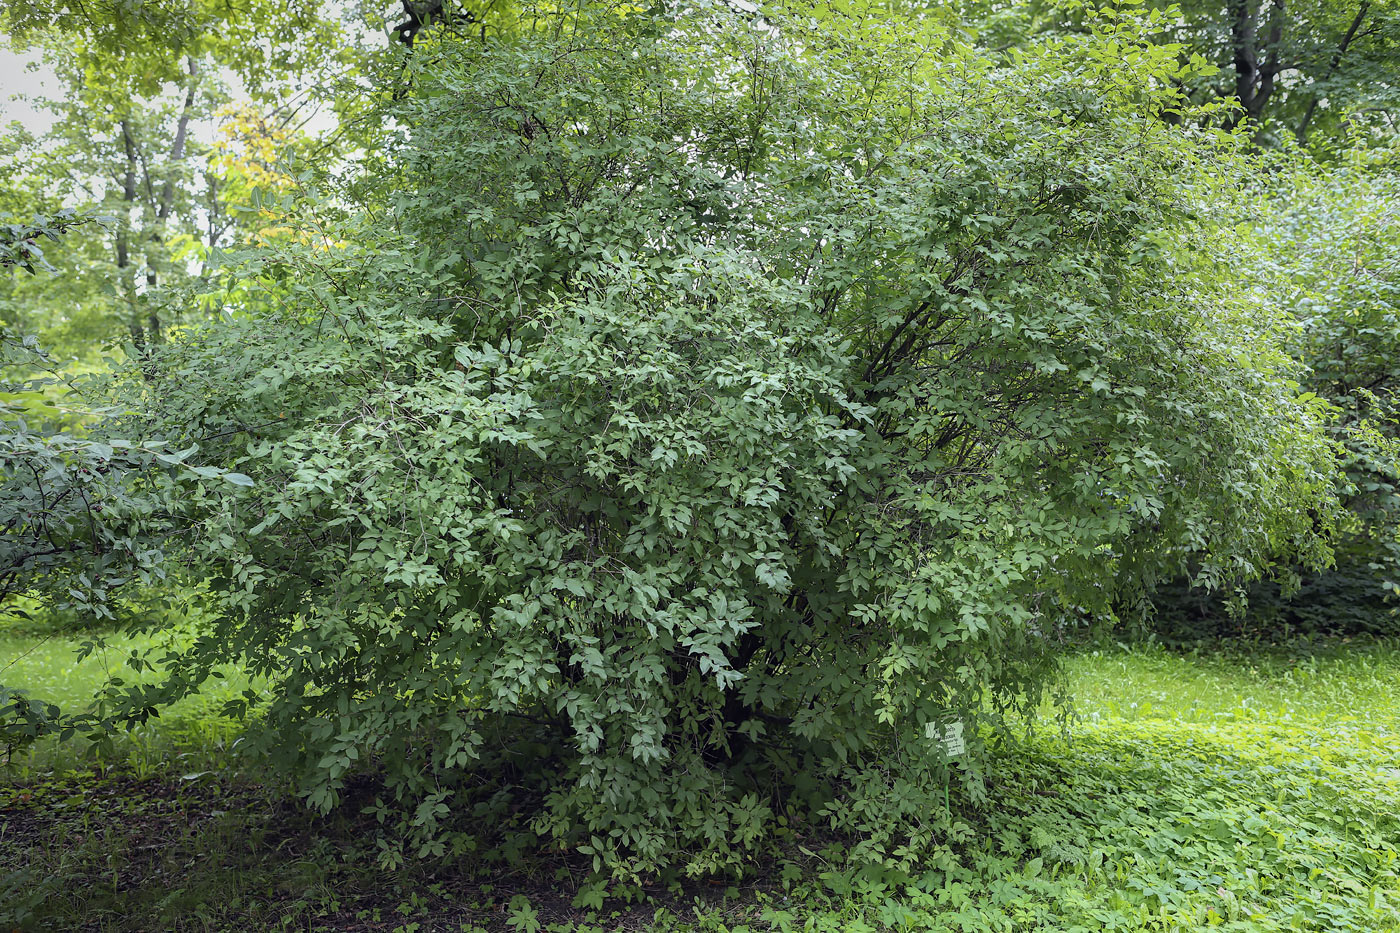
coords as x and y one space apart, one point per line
1248 790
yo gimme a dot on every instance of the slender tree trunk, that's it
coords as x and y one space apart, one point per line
125 274
1254 82
1246 61
166 202
177 148
1277 14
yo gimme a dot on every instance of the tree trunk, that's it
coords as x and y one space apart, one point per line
1332 66
1254 82
123 247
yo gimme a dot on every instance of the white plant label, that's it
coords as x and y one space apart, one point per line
950 734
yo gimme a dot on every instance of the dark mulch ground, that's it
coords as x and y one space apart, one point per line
106 850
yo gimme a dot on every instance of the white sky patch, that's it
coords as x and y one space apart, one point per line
24 81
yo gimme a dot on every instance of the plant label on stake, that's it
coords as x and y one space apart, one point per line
950 734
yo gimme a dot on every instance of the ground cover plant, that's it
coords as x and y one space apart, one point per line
1220 789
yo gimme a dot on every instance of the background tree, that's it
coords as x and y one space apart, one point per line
1303 69
1312 70
1324 244
143 87
86 515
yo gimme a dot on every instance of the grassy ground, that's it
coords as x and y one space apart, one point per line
45 662
1227 790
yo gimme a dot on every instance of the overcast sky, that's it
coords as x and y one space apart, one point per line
17 79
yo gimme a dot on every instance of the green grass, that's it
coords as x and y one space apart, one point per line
1331 684
1254 791
1231 790
45 662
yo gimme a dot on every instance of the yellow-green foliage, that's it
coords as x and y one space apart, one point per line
1234 791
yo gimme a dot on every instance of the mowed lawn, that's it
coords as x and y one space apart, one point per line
1230 790
50 666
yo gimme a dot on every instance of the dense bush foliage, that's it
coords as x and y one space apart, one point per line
718 408
70 525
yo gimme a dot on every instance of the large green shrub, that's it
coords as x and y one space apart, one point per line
713 407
